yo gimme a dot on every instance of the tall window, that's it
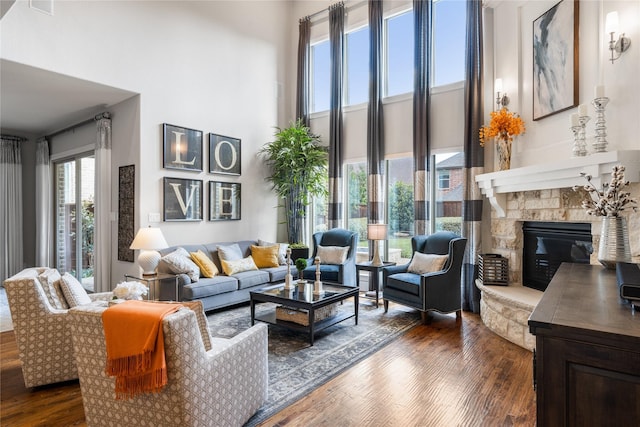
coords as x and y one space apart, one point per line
449 17
74 190
357 67
400 208
398 46
357 201
320 82
448 195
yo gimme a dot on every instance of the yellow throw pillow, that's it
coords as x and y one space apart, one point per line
238 266
207 267
265 256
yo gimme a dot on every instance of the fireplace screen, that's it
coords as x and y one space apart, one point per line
549 244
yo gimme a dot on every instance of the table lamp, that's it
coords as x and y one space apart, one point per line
376 232
149 240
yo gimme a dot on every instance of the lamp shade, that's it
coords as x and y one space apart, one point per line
498 85
611 23
376 231
149 238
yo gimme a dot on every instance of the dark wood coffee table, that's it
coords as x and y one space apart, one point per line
304 300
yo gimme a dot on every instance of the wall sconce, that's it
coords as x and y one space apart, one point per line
622 43
500 100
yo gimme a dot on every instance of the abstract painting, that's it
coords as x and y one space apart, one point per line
555 59
126 211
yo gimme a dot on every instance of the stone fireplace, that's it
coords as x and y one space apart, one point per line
542 194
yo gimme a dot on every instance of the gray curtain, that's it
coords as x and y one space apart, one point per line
102 219
473 157
302 88
375 129
11 253
44 212
336 43
422 18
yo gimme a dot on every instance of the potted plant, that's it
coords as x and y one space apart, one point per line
301 264
298 169
299 250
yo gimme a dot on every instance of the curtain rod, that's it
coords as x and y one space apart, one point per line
104 114
326 10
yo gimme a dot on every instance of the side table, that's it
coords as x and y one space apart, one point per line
155 281
374 279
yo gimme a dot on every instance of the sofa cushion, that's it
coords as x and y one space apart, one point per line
231 268
332 254
426 263
265 256
73 291
50 282
330 272
179 261
282 250
206 266
277 274
405 282
206 287
230 253
249 279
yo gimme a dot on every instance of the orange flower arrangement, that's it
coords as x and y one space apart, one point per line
504 125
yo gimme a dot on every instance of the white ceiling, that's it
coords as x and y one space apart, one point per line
39 102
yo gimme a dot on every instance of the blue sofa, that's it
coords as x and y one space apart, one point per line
222 291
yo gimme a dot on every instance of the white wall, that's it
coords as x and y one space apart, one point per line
513 63
214 66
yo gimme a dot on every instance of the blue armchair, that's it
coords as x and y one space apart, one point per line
439 290
344 273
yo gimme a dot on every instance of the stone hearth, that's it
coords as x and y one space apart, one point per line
505 310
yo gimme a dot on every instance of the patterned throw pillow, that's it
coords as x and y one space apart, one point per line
230 253
426 263
179 262
73 291
206 266
282 250
238 266
332 254
50 282
265 256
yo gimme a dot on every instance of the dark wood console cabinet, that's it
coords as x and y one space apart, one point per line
587 359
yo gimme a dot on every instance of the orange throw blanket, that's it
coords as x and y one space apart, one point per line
135 346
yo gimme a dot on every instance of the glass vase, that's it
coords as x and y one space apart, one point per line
614 242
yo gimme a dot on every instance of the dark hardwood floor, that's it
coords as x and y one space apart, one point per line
445 373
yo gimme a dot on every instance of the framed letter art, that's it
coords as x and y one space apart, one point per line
555 59
224 154
182 199
182 148
224 201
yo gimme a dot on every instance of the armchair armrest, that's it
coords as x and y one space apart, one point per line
101 296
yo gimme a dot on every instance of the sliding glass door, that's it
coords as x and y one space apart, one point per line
74 217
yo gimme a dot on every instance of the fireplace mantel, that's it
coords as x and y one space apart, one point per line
558 174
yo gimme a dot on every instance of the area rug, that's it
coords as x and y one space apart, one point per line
296 368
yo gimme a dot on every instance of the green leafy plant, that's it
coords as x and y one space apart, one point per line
301 264
298 246
298 166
